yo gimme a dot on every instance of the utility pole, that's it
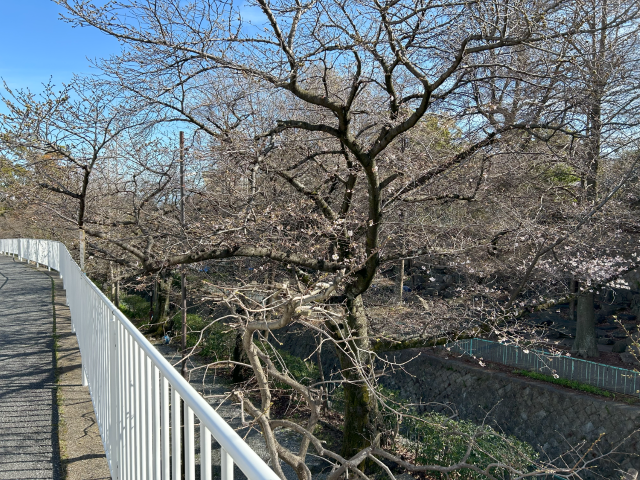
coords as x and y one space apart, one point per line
183 280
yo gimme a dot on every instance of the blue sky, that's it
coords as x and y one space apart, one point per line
37 45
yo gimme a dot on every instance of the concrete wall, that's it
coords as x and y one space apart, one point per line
548 417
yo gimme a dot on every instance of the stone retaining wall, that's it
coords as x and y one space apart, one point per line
548 417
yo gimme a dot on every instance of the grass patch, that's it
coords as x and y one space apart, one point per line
573 384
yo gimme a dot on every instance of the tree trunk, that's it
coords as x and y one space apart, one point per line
573 288
323 389
117 292
151 305
183 279
585 344
400 281
165 298
239 373
361 422
112 283
162 291
82 245
155 301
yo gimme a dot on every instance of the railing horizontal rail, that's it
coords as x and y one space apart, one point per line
142 403
599 375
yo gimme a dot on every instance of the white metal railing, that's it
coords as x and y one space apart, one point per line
136 393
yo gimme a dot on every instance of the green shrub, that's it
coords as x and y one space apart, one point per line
337 399
561 174
303 372
135 307
306 373
218 339
435 439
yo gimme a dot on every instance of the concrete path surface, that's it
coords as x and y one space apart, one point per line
81 448
28 412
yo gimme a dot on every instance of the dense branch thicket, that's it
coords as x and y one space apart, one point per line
329 141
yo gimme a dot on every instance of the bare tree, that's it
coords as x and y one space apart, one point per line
60 137
320 96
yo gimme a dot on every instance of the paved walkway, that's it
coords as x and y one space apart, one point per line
81 448
28 416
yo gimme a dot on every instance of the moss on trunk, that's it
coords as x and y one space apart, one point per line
160 301
361 422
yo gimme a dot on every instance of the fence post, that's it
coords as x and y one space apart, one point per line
176 444
114 397
83 315
226 465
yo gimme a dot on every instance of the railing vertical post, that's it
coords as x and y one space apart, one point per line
84 311
149 420
189 450
205 452
142 402
175 434
122 381
137 454
155 387
114 398
226 465
166 450
131 466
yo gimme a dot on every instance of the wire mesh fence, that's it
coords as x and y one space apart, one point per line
607 377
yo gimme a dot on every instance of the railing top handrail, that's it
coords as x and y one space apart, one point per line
247 460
